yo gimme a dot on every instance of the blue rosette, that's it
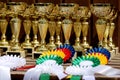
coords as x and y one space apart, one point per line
99 50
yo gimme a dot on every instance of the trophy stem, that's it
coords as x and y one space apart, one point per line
42 27
106 36
15 26
100 27
58 29
111 31
51 45
77 29
27 27
85 26
3 27
67 27
35 42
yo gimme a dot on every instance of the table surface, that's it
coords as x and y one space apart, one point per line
114 62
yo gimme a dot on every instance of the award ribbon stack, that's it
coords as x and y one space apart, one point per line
94 61
50 62
10 62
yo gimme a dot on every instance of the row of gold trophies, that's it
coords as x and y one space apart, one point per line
43 17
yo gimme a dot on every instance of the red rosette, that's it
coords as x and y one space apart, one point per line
67 53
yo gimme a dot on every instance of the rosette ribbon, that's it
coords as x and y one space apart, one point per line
44 69
87 66
10 62
99 50
68 50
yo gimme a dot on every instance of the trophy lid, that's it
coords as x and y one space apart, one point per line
1 5
101 9
16 6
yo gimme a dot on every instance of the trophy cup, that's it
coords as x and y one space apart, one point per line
2 5
58 30
58 26
35 42
77 26
66 10
42 9
101 10
111 31
85 25
3 26
51 27
4 45
15 8
27 26
27 45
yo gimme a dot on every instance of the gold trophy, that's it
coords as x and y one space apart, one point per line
42 9
3 26
101 10
58 27
4 45
15 9
35 42
111 31
27 26
58 31
2 5
85 25
51 27
77 26
66 10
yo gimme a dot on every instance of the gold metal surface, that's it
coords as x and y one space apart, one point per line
42 9
15 9
101 10
3 27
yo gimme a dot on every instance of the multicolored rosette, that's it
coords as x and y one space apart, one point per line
82 67
48 63
103 59
68 50
100 50
95 61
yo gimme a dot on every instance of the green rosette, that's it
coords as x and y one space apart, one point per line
75 77
44 76
78 60
58 59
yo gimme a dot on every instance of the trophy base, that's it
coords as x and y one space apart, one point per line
51 46
85 45
58 43
36 55
3 50
116 50
35 43
112 53
26 44
16 48
41 48
18 53
28 51
4 43
78 48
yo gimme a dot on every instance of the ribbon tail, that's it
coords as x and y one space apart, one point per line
5 73
28 74
61 75
106 70
86 77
